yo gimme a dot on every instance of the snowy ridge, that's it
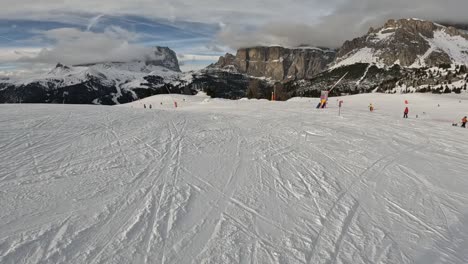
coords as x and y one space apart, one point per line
119 78
106 82
110 72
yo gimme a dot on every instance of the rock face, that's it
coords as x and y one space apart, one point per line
229 85
407 42
165 57
277 63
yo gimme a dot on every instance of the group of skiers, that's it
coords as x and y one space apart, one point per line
463 121
406 112
161 103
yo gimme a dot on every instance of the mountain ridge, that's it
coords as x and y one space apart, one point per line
406 55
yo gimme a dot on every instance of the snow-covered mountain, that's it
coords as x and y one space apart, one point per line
407 42
407 55
99 83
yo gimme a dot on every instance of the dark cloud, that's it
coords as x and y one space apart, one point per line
349 19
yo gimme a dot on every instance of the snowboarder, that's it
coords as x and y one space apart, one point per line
151 106
144 106
405 114
371 107
464 120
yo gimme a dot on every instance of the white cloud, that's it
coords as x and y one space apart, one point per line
196 57
73 46
210 11
93 21
12 54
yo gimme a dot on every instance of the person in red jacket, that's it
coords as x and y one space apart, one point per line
405 114
464 120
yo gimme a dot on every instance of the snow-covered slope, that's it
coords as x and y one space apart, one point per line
217 181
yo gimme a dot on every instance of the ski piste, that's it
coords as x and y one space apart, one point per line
220 181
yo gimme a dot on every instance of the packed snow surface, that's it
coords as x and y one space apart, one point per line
217 181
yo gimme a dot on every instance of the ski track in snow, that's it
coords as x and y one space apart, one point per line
233 182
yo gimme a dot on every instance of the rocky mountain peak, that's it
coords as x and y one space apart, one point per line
60 65
413 25
407 42
164 56
60 69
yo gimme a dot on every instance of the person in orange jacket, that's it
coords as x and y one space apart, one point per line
464 120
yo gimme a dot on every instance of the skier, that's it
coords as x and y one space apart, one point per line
464 120
371 107
324 103
151 106
405 114
144 106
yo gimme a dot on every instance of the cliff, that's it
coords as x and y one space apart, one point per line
277 63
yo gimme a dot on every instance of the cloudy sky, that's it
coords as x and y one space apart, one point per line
36 34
